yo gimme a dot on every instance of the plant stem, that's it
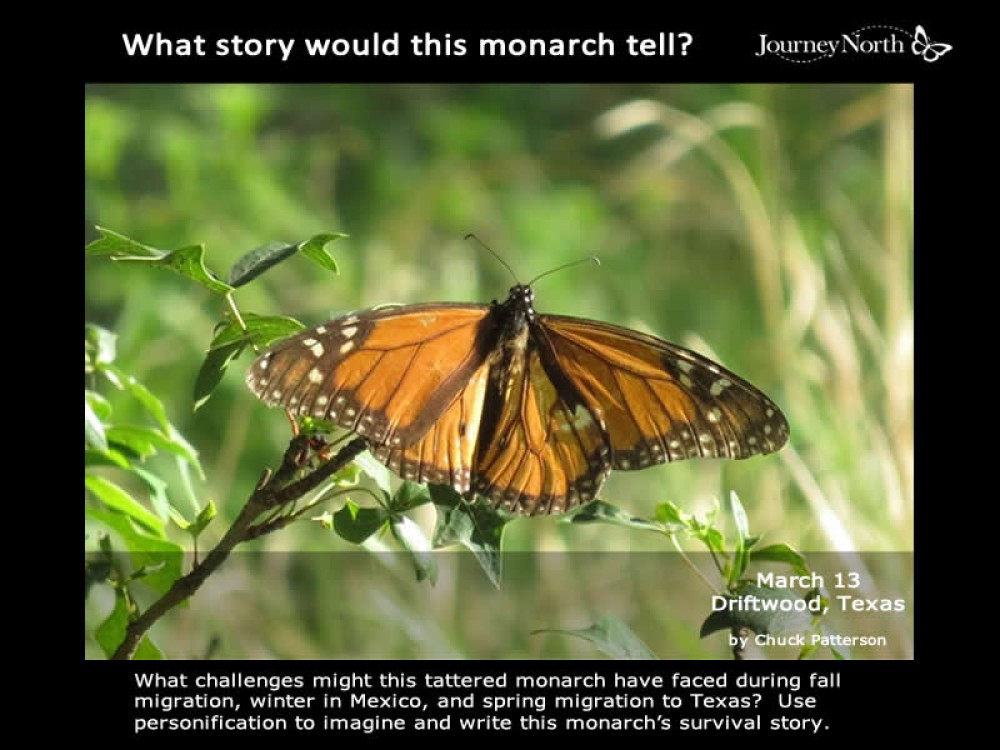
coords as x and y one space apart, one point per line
275 493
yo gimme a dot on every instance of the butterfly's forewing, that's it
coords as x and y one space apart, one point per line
387 374
658 401
542 450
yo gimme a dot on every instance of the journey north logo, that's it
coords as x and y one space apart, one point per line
869 40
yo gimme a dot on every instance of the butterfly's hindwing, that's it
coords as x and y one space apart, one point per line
660 402
545 452
446 453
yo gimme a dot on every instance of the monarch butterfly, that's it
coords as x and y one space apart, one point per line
531 411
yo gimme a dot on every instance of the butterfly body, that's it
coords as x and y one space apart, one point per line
531 411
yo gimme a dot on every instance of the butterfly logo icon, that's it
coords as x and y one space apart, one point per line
922 45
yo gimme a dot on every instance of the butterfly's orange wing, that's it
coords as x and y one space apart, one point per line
446 453
543 450
657 401
387 374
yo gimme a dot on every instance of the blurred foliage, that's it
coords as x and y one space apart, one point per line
768 226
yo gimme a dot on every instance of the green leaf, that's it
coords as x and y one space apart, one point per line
713 539
205 517
115 497
114 244
669 513
157 491
188 262
376 470
412 537
315 249
476 526
100 405
599 511
773 621
110 457
612 637
262 330
180 447
739 518
409 496
355 524
255 262
144 396
93 429
212 370
144 441
161 556
102 342
782 553
740 557
134 440
110 633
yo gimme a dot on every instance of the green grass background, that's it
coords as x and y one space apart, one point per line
768 226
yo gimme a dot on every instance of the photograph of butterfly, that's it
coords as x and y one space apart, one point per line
749 334
529 410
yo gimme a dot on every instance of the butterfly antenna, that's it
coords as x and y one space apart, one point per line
472 236
592 259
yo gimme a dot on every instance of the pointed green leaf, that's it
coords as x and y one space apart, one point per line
112 243
261 330
205 517
255 262
212 370
133 441
110 633
476 526
355 524
376 470
782 553
188 262
157 491
601 512
409 496
315 249
155 553
740 558
669 513
412 537
110 457
144 396
100 405
93 429
177 444
612 637
115 497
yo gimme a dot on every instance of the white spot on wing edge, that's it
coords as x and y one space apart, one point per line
317 349
346 347
349 331
315 376
719 386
